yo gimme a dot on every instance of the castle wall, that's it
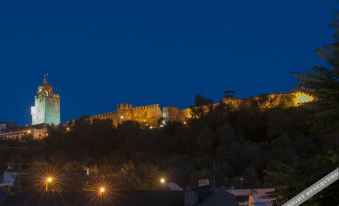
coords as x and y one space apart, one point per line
185 115
109 115
171 114
150 115
268 101
145 115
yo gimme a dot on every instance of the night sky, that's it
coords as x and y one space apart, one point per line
100 53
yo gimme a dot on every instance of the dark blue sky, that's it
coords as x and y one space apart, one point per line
100 53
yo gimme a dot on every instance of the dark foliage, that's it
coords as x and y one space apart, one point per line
241 143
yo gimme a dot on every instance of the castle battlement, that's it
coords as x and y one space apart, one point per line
151 114
103 114
124 106
152 106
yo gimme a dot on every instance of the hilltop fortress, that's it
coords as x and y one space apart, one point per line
46 111
153 115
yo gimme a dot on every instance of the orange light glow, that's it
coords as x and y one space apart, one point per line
49 179
302 98
162 180
102 190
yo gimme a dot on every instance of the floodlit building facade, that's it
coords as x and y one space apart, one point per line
47 105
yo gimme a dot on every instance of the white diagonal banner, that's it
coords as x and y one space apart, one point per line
314 189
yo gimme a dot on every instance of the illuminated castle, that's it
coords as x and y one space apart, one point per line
47 105
153 115
146 115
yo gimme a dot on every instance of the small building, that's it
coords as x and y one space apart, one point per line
10 175
36 131
12 178
254 197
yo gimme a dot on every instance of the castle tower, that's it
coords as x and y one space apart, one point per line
47 105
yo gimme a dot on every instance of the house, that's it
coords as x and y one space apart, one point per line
253 197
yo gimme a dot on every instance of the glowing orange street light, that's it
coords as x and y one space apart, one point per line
49 180
162 180
102 190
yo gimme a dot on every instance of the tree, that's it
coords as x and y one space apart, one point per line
137 177
323 83
293 179
202 101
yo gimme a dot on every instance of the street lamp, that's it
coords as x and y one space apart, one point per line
49 180
102 190
162 180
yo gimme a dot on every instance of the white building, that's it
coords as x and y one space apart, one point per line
47 105
36 133
253 197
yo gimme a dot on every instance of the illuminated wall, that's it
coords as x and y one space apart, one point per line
151 114
145 115
47 106
269 101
